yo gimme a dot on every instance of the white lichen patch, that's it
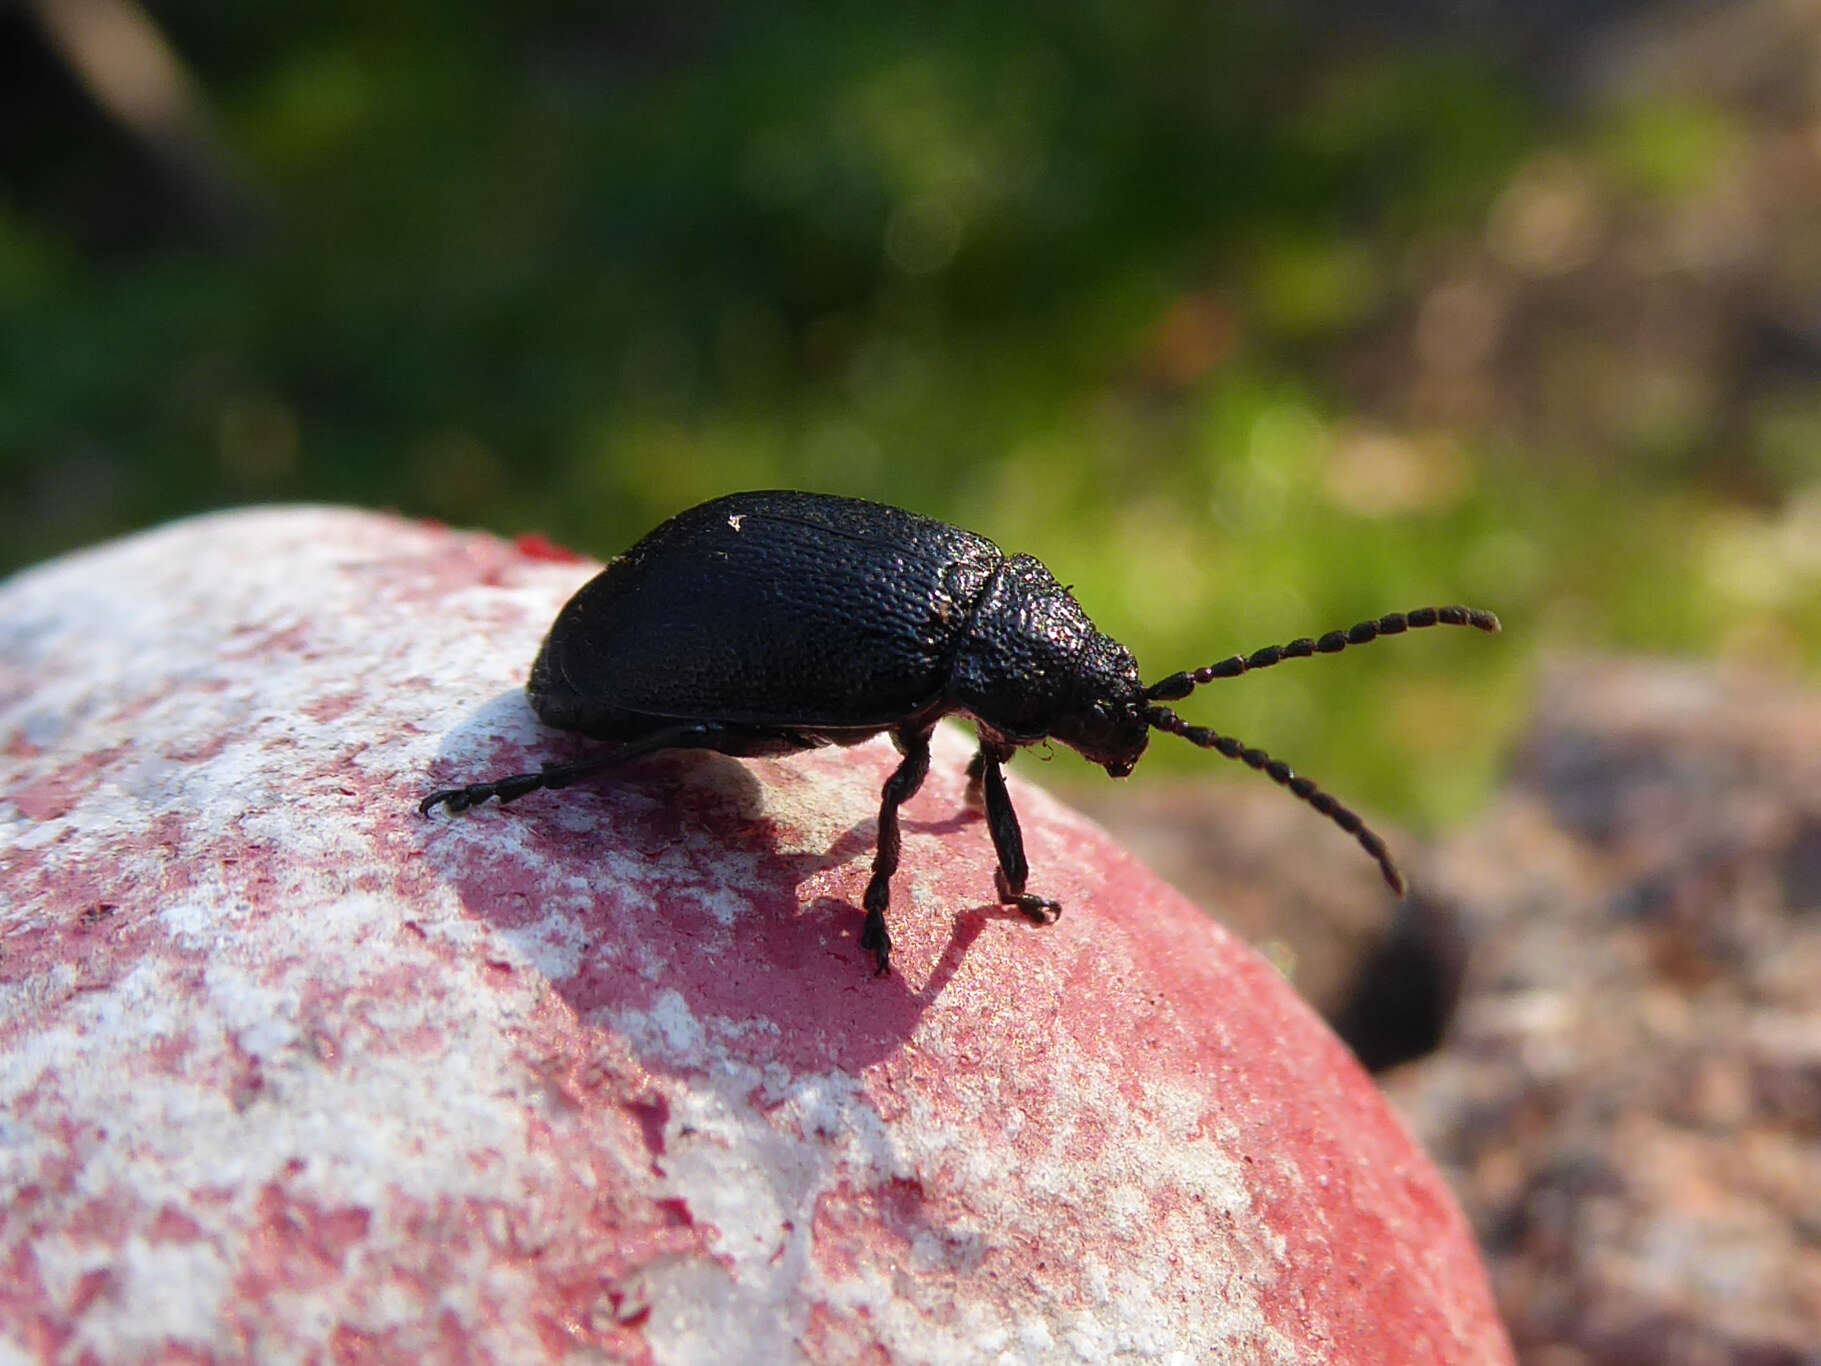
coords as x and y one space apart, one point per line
760 1176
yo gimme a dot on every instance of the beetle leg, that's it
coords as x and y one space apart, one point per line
899 788
976 768
1008 842
563 775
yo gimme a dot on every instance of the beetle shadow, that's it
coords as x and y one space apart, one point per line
675 861
968 926
948 825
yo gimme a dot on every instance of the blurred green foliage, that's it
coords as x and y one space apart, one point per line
1091 279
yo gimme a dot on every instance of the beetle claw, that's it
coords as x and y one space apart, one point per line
454 798
876 940
1039 910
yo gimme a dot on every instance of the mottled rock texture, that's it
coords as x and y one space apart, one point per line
290 1073
1630 1105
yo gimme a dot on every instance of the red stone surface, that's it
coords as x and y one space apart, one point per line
289 1073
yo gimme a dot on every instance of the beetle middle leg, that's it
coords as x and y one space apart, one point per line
1008 840
899 788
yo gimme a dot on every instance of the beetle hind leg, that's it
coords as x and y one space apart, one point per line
694 736
1008 840
899 788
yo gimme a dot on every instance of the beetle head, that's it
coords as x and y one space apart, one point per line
1032 666
1108 720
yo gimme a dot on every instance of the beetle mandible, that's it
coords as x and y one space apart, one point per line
766 623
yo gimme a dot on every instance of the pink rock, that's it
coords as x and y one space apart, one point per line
290 1073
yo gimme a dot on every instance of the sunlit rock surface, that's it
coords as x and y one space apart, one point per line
289 1072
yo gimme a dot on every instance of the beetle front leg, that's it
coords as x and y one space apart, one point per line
899 788
1008 842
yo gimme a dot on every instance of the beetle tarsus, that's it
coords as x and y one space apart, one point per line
505 789
876 939
1039 909
461 798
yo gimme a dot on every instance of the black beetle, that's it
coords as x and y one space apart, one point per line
765 623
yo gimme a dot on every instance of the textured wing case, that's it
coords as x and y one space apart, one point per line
773 608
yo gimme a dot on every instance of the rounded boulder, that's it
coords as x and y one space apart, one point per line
289 1072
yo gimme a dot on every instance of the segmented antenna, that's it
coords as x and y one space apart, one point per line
1178 686
1281 773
